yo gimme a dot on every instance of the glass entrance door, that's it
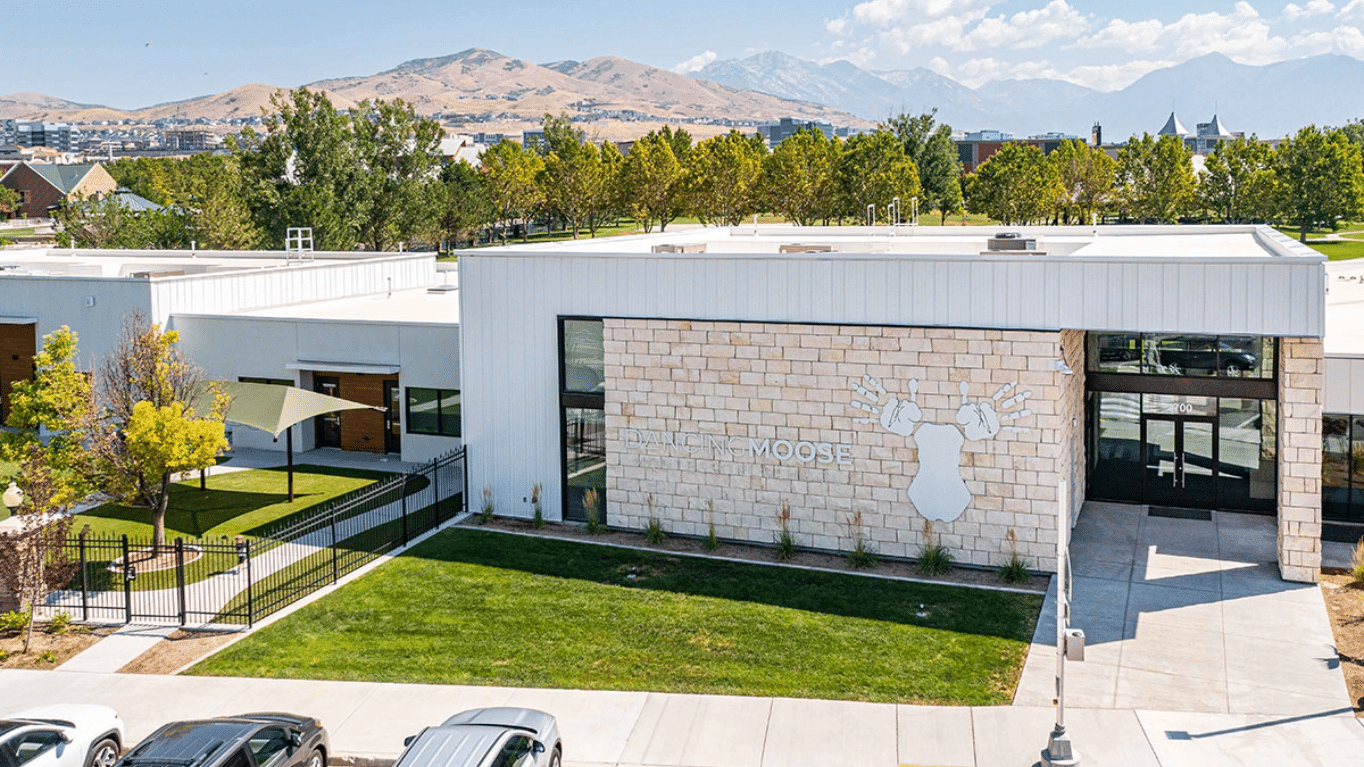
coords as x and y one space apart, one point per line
327 427
1181 461
393 427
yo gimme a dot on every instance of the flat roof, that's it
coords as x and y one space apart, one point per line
1345 308
1175 243
164 264
432 305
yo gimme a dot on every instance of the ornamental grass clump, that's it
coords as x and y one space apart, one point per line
590 501
654 532
538 520
712 542
487 515
1357 563
934 558
1013 571
786 545
861 555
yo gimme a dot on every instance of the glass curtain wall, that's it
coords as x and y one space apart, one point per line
1342 467
582 400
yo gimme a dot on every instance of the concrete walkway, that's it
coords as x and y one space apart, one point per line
1187 615
370 720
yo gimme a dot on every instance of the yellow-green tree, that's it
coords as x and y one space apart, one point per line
1015 186
1156 179
723 178
148 430
56 400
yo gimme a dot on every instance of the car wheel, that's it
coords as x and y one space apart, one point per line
315 759
554 758
104 754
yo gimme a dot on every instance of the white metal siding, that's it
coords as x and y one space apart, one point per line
1344 385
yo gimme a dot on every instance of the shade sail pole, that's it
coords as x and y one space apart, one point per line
289 448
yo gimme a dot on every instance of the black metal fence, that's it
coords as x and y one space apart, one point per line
222 581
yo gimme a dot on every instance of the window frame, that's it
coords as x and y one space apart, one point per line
441 416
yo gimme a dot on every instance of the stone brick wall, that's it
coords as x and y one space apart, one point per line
1301 369
723 422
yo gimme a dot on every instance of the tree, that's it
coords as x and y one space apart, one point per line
33 559
511 173
108 222
610 205
399 156
1087 175
651 180
1322 178
462 202
205 189
54 408
935 158
798 178
573 179
9 201
1155 178
724 175
873 170
1016 185
1238 182
147 429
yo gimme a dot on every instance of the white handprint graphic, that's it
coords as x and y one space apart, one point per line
938 491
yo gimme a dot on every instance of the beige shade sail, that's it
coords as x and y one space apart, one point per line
273 408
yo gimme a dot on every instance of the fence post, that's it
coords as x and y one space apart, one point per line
402 490
435 483
127 582
464 474
180 576
336 567
85 580
250 602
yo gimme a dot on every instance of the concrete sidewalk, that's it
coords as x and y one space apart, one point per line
370 720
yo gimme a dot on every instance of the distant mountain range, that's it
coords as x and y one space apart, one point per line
479 89
1269 100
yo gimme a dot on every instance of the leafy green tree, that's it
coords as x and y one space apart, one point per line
1087 175
873 170
148 430
55 404
1155 179
205 189
511 176
108 222
1016 185
935 158
611 204
724 175
573 179
33 560
1238 183
798 178
399 156
1322 178
652 184
463 200
304 170
9 201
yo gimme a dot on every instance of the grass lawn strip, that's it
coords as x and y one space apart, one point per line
476 607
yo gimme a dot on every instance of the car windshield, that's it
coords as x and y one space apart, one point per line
6 725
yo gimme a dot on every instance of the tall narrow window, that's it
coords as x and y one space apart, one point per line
582 400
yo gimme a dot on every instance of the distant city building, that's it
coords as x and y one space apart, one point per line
975 147
775 133
43 188
1207 137
63 137
191 140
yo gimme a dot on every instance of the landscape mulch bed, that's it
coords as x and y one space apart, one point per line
960 576
49 651
1345 604
177 651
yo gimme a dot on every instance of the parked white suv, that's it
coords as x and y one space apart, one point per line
75 735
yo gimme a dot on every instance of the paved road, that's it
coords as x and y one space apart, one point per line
370 720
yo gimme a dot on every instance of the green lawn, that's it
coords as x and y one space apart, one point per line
240 502
479 607
1352 246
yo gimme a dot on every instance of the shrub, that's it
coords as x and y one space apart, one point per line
861 555
590 501
1013 571
487 515
13 622
59 623
47 656
786 545
4 655
654 532
934 558
538 521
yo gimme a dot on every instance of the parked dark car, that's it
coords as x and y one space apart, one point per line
249 740
487 737
1205 353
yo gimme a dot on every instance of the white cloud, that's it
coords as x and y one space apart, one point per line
883 13
695 63
1106 77
1242 34
1346 40
1293 11
1355 9
1028 29
939 64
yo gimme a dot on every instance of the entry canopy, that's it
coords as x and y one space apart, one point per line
273 408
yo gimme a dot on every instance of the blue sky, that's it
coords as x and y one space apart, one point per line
138 52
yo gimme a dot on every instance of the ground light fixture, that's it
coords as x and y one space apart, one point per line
1070 643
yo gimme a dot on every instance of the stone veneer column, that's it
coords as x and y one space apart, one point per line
1300 405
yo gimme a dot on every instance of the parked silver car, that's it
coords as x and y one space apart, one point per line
487 737
70 735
